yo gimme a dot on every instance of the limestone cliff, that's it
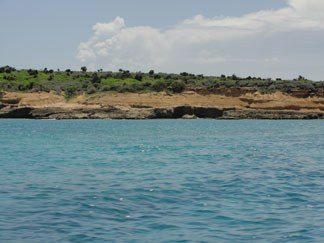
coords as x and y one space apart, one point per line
217 104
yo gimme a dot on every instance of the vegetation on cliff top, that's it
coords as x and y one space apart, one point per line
76 82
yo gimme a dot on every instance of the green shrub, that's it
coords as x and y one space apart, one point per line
104 88
95 79
32 72
177 86
138 77
158 86
156 76
168 92
70 91
91 90
146 84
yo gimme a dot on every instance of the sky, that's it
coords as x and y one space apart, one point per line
266 38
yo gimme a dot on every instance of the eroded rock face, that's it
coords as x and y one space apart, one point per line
270 114
185 112
15 112
181 111
190 105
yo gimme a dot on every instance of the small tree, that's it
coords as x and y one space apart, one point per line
234 77
84 69
184 74
301 78
151 72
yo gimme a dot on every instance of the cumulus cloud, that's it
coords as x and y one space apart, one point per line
267 42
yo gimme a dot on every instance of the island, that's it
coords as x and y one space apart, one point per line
49 94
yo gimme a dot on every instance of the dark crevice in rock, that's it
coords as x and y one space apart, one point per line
24 112
188 112
181 111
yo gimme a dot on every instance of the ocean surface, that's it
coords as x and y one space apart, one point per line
161 181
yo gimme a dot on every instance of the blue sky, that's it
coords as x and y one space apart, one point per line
207 36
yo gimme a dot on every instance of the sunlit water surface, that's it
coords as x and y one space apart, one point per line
161 181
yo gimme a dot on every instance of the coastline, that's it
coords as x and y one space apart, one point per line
225 104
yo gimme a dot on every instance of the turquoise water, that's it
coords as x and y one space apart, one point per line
161 181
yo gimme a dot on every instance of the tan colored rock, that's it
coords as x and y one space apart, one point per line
231 104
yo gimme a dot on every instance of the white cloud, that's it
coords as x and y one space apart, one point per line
258 43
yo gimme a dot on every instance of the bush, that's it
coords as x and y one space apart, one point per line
84 86
134 88
300 78
84 69
70 91
104 88
10 77
32 72
7 69
95 79
234 77
146 84
21 87
91 90
29 85
126 74
51 77
158 86
177 86
37 88
108 75
138 76
156 76
124 89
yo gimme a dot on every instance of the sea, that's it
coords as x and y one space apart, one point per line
161 181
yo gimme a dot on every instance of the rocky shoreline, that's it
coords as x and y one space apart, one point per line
179 112
50 106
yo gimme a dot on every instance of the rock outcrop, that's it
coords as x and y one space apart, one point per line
190 105
185 112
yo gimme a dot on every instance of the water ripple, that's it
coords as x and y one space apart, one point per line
161 181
